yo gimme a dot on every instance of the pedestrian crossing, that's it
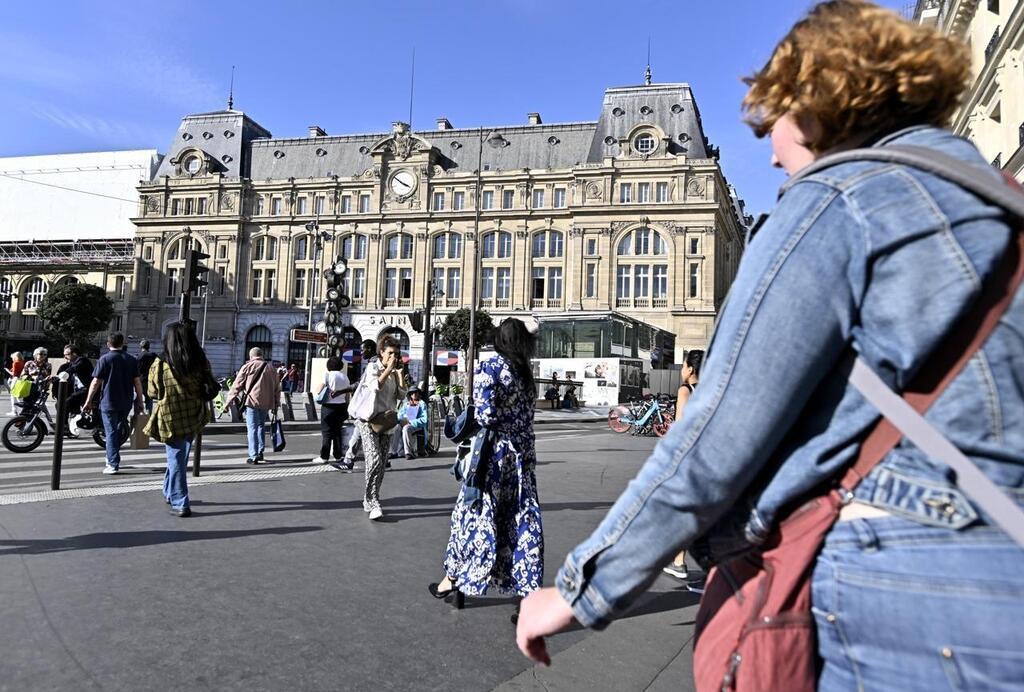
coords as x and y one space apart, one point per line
83 461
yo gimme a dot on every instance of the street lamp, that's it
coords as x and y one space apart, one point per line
318 244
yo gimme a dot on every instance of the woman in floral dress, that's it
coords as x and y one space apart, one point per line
496 533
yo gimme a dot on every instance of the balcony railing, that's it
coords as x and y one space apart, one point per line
502 303
537 303
641 302
554 303
452 302
659 303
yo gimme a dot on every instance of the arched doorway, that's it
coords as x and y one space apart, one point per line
260 337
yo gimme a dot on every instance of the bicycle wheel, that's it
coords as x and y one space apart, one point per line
661 427
619 419
21 434
99 436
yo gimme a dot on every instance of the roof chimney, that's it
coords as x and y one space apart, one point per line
316 131
533 118
443 124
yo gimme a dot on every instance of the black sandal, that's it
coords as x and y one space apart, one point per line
452 595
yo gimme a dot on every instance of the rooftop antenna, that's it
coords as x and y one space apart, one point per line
647 72
231 90
412 84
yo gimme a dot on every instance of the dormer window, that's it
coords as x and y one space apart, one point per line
644 143
193 164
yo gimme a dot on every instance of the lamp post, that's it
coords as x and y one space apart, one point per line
318 244
471 364
208 237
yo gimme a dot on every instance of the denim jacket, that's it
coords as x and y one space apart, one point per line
866 257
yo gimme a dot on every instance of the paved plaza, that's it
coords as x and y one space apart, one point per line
279 581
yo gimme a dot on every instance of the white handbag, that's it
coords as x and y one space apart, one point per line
361 405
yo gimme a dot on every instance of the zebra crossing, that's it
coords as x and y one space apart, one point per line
82 462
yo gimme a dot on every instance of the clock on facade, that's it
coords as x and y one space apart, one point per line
403 183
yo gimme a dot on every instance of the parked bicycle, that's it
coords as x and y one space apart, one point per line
220 402
652 414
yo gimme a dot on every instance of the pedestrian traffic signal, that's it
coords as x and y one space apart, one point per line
337 301
195 271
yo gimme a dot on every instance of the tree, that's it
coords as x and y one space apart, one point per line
73 313
455 330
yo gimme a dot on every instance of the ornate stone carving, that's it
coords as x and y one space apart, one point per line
401 143
678 230
709 230
594 191
152 203
522 234
227 201
606 232
469 236
575 232
694 187
620 225
421 236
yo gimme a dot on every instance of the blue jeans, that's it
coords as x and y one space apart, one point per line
904 606
114 422
255 423
175 478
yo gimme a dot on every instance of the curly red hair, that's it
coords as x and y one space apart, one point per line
856 69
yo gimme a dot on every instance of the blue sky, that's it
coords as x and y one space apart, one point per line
87 76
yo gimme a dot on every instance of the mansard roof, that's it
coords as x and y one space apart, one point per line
253 153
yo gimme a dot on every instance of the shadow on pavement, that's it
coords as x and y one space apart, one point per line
670 600
131 539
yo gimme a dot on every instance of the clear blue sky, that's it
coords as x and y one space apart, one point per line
87 76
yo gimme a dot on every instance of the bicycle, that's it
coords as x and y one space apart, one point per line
654 414
220 402
99 435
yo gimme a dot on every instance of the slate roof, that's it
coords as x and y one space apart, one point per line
255 154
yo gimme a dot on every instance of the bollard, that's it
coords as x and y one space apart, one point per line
311 413
287 414
198 458
236 413
58 442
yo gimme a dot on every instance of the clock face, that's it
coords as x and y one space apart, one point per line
403 183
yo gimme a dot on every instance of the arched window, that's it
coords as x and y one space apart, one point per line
68 281
353 246
399 246
35 289
497 245
448 246
259 337
548 244
641 281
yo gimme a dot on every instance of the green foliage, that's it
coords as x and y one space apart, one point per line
74 313
455 330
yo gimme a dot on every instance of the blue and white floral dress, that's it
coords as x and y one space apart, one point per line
498 539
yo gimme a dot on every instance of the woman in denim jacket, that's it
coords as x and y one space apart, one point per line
914 588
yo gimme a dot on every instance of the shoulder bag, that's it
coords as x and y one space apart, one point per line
243 398
755 630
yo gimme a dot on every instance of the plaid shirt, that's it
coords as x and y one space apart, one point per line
182 412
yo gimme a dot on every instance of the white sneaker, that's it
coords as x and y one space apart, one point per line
109 470
367 507
318 460
376 513
677 571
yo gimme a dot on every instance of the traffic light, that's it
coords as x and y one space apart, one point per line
195 271
337 301
416 320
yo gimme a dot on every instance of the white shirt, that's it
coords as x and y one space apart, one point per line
336 380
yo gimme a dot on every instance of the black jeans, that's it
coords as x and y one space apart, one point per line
332 418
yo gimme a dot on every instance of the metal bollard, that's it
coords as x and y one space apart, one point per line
311 413
58 442
198 458
287 414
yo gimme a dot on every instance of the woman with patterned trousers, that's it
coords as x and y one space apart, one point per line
496 534
382 386
176 380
